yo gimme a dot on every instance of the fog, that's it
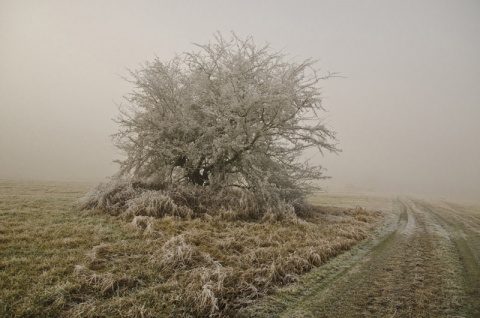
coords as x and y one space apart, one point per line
406 109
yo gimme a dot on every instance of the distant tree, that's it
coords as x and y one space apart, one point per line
232 115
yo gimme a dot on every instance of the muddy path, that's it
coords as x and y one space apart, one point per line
424 262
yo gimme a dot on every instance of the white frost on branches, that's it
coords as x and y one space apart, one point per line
233 115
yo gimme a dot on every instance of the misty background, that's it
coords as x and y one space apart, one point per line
407 109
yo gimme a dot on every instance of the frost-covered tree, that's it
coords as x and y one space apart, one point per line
231 115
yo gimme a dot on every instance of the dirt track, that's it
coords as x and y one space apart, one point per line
424 262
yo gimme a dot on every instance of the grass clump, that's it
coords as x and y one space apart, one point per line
156 204
152 198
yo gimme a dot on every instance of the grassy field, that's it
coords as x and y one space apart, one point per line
57 261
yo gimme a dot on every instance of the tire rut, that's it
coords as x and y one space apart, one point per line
463 230
396 280
411 272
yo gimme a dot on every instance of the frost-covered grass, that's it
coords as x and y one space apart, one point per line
127 198
58 261
41 240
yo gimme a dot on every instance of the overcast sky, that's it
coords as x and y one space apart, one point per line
407 111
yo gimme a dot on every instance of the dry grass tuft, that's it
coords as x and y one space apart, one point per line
105 282
156 204
144 225
141 222
177 254
111 197
102 252
206 288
